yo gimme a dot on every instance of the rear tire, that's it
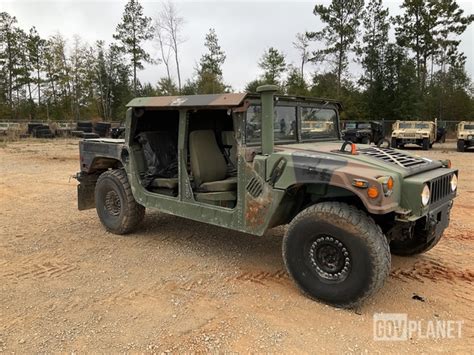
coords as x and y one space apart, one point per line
425 144
335 253
394 143
461 145
116 207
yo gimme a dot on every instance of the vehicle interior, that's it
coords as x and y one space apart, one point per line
155 149
212 150
211 158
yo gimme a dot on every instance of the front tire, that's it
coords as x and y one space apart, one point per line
425 144
335 253
116 207
394 143
461 145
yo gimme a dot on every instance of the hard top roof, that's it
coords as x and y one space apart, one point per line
214 100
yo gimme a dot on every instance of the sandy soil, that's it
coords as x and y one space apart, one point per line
177 285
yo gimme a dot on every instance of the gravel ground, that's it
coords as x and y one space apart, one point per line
182 286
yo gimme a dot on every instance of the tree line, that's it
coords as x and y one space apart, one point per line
416 73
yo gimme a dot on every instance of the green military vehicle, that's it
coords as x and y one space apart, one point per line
465 135
250 162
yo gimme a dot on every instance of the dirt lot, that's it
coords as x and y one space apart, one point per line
178 285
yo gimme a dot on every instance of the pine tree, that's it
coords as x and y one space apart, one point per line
273 64
131 33
342 20
372 52
209 72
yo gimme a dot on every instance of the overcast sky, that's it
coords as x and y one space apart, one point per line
244 28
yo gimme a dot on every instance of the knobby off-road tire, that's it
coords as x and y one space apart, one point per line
365 140
316 240
414 246
425 144
117 209
394 143
461 145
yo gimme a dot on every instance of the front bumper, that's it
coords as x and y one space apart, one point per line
437 219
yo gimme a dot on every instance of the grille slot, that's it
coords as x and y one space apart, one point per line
390 155
254 187
440 187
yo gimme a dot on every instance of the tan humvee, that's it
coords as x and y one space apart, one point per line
422 133
465 135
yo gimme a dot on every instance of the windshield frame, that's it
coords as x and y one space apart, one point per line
298 105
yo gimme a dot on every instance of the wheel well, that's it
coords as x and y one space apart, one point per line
299 197
102 164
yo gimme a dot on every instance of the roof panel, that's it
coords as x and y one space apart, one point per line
216 100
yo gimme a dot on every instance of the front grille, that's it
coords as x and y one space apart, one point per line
408 135
440 187
390 155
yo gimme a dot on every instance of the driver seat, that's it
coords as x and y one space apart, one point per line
209 168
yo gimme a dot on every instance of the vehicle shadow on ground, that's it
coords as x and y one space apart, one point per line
213 240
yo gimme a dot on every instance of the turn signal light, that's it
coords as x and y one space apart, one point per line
373 192
390 183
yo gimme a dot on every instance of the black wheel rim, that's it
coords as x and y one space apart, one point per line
329 258
113 205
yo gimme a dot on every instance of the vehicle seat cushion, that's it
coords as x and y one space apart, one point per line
229 184
169 183
160 151
207 162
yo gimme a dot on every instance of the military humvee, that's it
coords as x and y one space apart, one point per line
422 133
465 135
250 162
364 132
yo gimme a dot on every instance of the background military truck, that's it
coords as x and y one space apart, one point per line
465 135
364 132
422 133
347 207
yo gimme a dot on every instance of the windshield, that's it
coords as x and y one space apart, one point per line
422 125
363 125
284 123
318 123
405 125
350 125
469 126
315 123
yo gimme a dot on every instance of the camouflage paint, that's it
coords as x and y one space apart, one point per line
264 180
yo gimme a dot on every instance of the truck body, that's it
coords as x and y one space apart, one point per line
250 162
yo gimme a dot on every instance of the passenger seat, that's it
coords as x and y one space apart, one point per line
208 164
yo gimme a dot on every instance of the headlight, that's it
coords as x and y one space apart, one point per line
454 183
425 195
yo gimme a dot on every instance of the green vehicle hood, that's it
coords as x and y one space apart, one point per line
367 157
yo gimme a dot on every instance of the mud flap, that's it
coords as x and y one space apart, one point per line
86 190
85 196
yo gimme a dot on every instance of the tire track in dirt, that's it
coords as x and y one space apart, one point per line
434 271
263 277
37 268
420 271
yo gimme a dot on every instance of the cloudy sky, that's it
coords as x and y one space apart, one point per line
244 28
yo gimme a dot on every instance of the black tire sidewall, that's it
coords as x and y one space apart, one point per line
339 293
104 185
